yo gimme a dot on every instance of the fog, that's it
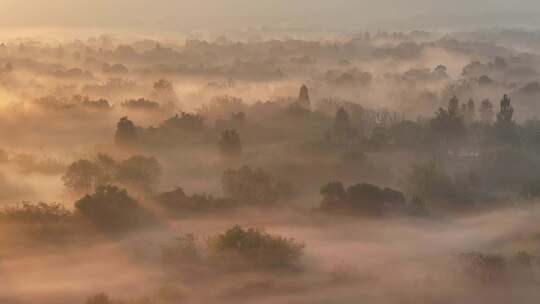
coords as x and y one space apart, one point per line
269 152
206 14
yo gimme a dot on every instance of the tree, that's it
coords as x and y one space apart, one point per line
342 123
303 97
230 144
126 133
111 208
140 104
332 192
178 203
448 124
469 112
418 206
429 180
255 248
186 122
361 199
453 106
440 72
254 186
139 172
81 176
486 111
505 127
506 112
163 92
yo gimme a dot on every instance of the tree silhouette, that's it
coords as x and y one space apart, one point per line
486 111
81 176
163 92
111 208
453 106
126 133
303 97
506 112
469 111
505 127
139 172
230 144
448 124
254 186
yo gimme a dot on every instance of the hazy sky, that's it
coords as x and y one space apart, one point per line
189 14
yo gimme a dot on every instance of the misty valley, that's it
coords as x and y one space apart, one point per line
269 166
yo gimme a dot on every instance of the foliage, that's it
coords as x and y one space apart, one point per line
40 212
230 144
178 203
361 199
254 187
126 133
139 172
140 103
111 209
81 176
257 248
430 180
448 125
186 122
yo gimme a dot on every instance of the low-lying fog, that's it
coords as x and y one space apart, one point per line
263 166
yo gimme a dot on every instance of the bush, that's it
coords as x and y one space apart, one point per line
112 209
256 248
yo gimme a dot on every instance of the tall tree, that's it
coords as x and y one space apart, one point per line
486 111
505 126
230 144
506 112
126 133
303 97
453 106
